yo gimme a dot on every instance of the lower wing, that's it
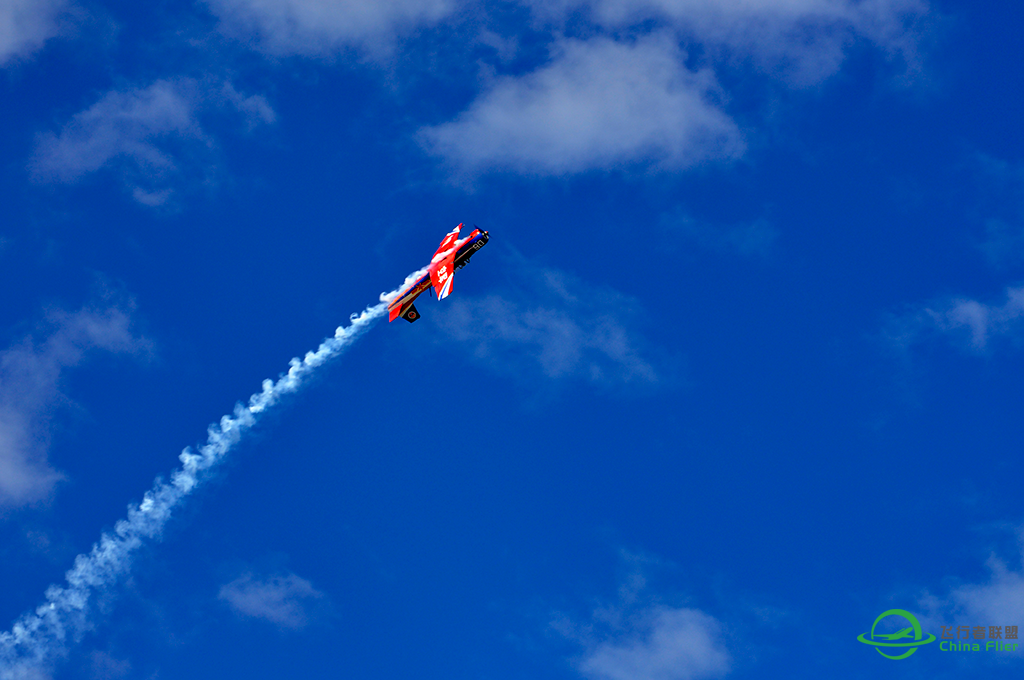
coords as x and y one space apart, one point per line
442 275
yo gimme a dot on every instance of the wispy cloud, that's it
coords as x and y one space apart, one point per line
971 323
555 325
636 639
978 324
26 24
318 27
628 95
804 41
28 674
254 108
663 644
31 374
105 666
599 104
288 601
982 321
144 133
996 601
1000 599
126 124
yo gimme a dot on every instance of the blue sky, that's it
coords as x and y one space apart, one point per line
737 372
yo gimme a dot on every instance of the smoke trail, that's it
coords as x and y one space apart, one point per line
37 638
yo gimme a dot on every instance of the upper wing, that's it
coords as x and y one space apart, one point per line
449 240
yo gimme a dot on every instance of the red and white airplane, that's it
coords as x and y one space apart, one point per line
453 253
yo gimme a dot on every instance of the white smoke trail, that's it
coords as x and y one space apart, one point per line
38 638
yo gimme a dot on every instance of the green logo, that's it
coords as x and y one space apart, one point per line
912 636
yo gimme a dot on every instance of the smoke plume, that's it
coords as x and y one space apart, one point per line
39 637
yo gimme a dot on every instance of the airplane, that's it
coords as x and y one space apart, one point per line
905 633
452 254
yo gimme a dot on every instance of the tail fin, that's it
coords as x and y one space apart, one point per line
407 311
411 313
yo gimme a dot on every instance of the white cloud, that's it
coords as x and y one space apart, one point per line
997 601
254 108
599 104
635 639
559 326
26 24
1000 600
979 321
30 380
317 27
125 125
665 644
286 601
806 40
146 133
971 325
23 672
105 666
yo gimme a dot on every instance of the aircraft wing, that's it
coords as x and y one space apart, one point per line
401 304
442 276
449 240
